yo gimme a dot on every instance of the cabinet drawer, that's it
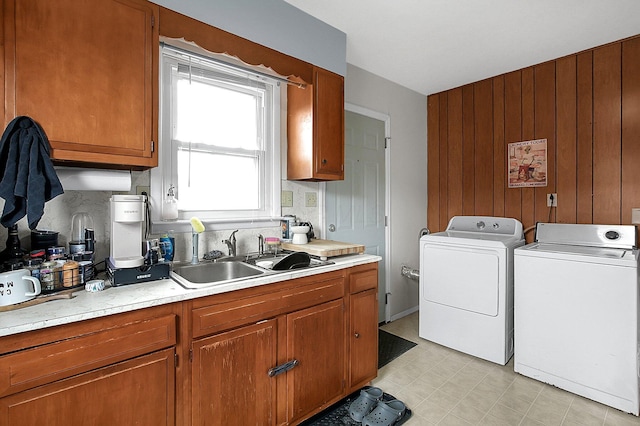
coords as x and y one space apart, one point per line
50 362
363 280
247 307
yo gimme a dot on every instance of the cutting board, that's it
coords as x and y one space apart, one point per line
325 248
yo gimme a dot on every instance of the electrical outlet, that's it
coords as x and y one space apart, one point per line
552 202
311 199
286 199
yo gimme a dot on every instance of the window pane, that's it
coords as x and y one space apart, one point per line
212 181
216 115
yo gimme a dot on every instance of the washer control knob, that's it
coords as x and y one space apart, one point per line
496 225
612 235
480 225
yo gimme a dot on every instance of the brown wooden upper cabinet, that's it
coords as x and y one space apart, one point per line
316 129
87 72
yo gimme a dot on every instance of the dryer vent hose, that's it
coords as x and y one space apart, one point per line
412 274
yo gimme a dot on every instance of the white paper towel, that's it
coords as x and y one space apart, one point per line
82 179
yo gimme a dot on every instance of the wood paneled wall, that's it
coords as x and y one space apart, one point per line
586 105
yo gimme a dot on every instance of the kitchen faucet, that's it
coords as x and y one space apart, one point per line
231 243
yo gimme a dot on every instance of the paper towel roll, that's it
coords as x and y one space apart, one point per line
82 179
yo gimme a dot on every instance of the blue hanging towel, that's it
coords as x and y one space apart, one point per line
28 177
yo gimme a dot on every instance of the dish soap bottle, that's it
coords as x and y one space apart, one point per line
167 244
170 205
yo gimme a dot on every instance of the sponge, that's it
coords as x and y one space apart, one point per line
197 225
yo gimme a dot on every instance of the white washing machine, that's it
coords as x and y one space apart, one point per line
466 286
576 311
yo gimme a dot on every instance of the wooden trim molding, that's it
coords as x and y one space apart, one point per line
176 25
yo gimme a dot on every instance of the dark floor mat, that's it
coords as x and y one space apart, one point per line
338 413
391 347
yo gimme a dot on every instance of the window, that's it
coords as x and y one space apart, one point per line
219 141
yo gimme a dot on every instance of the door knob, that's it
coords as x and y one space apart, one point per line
332 228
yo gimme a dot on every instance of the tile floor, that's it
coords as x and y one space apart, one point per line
445 387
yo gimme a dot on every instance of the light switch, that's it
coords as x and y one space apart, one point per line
311 199
286 199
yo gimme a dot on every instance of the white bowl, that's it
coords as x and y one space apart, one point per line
300 229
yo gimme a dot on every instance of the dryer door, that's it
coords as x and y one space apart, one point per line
462 277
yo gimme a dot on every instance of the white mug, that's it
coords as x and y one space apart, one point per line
18 286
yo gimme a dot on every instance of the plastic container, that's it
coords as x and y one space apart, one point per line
80 222
272 244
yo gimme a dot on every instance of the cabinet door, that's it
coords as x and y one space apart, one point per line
86 71
230 381
363 338
315 129
329 125
140 391
315 337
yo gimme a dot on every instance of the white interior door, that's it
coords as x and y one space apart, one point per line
355 207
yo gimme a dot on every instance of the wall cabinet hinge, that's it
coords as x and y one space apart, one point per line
386 298
175 360
153 21
190 355
386 142
153 146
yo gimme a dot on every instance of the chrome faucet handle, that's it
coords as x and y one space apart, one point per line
260 244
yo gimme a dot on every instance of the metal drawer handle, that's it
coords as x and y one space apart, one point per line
282 368
357 335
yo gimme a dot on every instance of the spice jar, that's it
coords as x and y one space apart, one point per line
47 280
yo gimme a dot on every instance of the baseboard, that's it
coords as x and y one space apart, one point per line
405 313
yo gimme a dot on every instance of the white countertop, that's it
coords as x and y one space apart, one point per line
115 300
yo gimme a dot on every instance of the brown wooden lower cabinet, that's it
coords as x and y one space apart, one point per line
139 391
268 355
116 370
364 337
315 341
230 381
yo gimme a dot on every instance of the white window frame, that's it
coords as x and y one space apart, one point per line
269 212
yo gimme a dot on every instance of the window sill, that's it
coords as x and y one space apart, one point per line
183 225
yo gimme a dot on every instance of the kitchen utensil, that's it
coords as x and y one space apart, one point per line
37 301
326 248
80 222
299 234
294 260
18 286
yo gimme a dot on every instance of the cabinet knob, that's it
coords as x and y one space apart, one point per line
357 335
324 161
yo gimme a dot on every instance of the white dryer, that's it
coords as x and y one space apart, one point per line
466 286
576 311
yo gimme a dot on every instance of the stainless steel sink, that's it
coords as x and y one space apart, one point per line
214 273
229 269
